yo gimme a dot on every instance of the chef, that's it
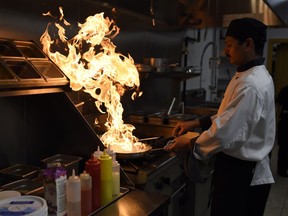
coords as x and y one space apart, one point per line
241 135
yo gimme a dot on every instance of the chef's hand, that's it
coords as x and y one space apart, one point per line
185 126
179 144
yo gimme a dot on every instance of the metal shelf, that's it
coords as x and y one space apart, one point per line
173 75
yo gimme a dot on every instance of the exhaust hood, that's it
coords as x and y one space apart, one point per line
280 8
205 13
25 70
219 13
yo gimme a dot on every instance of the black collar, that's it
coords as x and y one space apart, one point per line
256 62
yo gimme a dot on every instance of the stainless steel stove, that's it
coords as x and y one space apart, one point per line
160 172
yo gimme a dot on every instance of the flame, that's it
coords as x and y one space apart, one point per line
93 65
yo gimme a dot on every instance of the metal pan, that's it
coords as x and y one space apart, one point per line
138 155
144 154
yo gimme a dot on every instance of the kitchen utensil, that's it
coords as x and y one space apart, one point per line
144 154
158 63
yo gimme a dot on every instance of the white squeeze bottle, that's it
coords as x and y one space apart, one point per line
98 153
73 190
116 176
109 151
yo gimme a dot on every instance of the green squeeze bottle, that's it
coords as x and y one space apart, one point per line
106 182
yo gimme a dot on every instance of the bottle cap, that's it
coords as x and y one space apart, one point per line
98 152
73 177
114 161
109 151
105 156
86 180
85 175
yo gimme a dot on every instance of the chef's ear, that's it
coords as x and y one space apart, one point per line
249 42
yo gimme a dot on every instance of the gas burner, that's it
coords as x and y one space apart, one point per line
140 170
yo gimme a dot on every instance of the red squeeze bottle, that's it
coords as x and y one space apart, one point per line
86 193
92 166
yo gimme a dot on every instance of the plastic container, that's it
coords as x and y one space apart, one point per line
73 191
86 193
69 162
106 190
92 166
25 186
20 171
9 194
24 205
116 176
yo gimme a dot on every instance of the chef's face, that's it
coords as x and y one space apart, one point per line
235 51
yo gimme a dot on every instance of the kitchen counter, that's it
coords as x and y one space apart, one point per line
137 202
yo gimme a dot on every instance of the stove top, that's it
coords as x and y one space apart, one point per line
147 164
143 169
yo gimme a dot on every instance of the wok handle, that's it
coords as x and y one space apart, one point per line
149 138
156 149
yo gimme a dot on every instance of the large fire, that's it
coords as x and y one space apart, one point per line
92 64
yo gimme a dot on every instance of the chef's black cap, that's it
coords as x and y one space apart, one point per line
244 28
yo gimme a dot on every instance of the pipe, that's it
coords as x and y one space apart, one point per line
186 43
201 60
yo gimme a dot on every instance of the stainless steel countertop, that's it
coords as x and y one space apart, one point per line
137 202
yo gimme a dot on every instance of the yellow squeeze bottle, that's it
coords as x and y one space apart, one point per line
106 182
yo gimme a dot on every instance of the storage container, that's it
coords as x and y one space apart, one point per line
24 205
20 171
69 162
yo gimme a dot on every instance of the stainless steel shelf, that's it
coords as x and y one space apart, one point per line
173 75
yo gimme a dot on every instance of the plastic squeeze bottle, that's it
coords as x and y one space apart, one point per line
86 193
115 176
92 166
106 190
109 151
98 152
73 188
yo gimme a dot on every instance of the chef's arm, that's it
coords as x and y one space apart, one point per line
205 122
185 126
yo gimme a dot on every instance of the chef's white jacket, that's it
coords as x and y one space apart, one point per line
244 126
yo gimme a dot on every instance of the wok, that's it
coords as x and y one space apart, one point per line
143 154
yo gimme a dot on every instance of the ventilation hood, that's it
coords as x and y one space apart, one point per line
219 13
280 8
204 13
